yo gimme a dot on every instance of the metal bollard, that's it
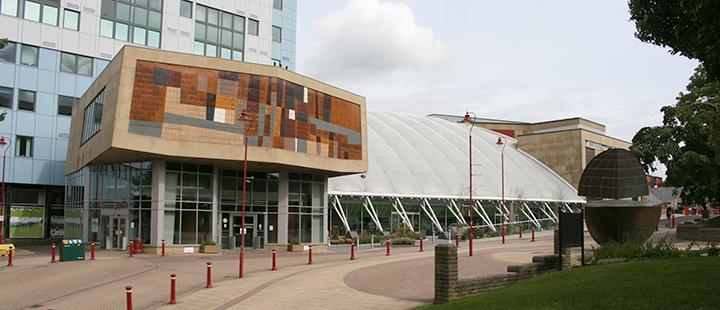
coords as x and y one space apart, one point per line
92 250
352 251
274 260
672 221
132 249
521 228
172 289
421 243
208 283
128 290
10 255
52 257
457 240
309 254
532 239
503 233
163 248
387 247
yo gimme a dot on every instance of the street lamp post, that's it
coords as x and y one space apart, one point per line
500 142
249 120
468 120
5 144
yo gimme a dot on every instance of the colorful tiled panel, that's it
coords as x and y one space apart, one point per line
196 104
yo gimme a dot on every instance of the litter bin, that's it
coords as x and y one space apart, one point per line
72 249
138 246
259 242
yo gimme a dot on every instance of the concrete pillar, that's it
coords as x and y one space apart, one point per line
157 211
446 272
283 199
86 204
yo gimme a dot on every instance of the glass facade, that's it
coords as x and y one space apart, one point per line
114 203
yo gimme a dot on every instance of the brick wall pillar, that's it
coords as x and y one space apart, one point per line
446 272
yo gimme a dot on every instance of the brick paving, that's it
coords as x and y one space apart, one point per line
373 281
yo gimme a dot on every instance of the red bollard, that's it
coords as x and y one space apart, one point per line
92 250
521 227
208 283
132 249
128 290
532 238
163 248
352 250
274 255
457 240
503 233
387 247
309 254
52 257
421 244
672 221
10 255
172 289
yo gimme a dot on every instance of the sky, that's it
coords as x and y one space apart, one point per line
519 60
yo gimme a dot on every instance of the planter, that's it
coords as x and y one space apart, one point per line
209 249
295 248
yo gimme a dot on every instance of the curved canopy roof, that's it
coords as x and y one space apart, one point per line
427 157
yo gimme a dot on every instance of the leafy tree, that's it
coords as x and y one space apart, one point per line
688 142
3 42
688 27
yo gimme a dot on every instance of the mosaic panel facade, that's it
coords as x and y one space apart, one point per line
197 104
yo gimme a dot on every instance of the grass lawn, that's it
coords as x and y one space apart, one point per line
680 283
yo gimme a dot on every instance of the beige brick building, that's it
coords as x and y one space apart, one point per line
564 145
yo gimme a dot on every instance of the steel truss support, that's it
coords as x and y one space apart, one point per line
506 213
549 212
371 211
340 212
529 214
425 206
484 215
397 205
456 211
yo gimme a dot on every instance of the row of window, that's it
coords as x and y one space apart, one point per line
26 101
70 63
139 21
42 11
92 117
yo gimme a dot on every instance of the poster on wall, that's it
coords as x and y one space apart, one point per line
27 222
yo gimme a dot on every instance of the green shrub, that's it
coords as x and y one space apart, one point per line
367 237
662 249
207 242
404 232
402 241
294 242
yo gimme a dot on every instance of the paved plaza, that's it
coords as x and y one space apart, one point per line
373 281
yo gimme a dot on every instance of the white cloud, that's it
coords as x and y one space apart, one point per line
370 38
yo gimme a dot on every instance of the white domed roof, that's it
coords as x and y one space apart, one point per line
427 157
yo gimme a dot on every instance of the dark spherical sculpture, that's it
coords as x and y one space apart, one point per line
614 184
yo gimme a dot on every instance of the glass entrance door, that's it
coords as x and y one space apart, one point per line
250 230
117 230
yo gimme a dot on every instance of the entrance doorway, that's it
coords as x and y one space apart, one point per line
232 233
117 233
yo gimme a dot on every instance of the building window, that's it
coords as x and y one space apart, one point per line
65 105
9 7
32 11
26 100
138 21
276 34
6 97
218 33
71 20
185 8
92 118
50 15
7 53
77 64
188 201
29 55
253 27
23 146
277 4
277 63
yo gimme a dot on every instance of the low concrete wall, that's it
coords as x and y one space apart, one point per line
448 287
697 232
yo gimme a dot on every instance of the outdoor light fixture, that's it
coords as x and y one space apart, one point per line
249 122
4 142
501 143
469 121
